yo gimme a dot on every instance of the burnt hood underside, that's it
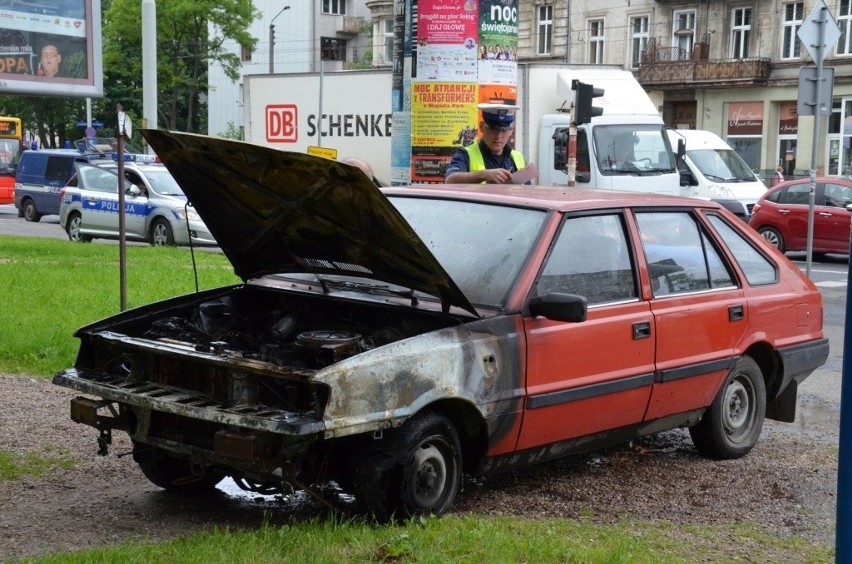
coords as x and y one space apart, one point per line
274 211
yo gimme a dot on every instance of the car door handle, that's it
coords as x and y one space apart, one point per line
825 214
736 313
784 212
641 330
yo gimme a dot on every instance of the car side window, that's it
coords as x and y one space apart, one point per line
58 168
99 180
797 194
837 195
681 257
590 258
757 268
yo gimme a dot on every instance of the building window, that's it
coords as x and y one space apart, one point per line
638 40
245 54
791 48
545 29
844 20
683 33
596 41
387 37
740 32
334 7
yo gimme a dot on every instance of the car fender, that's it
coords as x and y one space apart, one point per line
479 363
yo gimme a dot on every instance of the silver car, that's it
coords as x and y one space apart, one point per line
155 208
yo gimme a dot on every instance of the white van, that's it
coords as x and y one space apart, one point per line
717 171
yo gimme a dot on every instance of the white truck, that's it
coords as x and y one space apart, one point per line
714 169
625 148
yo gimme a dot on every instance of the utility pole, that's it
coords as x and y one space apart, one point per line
272 39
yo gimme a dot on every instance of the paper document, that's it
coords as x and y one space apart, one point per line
525 174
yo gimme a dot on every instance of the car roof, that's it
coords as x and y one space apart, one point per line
555 198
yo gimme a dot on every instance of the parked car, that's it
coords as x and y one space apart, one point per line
391 339
781 215
155 208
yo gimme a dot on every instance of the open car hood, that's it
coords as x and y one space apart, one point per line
273 211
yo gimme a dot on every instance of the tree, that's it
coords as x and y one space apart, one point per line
185 46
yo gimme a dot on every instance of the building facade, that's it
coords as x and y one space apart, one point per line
291 35
728 67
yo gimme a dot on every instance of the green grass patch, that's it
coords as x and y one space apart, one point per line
466 539
14 466
53 287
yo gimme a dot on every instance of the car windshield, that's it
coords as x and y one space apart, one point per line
481 246
163 183
721 165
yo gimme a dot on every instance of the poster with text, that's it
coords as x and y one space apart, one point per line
51 49
498 42
446 40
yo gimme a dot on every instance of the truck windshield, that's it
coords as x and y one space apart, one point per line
721 164
633 149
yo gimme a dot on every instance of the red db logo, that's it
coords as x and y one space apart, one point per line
282 123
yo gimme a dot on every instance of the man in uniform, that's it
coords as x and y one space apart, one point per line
491 159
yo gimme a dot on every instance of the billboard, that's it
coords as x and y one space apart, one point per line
51 47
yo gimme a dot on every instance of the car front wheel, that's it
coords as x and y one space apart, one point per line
73 227
773 236
161 233
731 425
173 474
416 470
30 211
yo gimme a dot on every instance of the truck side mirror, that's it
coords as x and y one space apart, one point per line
688 179
681 149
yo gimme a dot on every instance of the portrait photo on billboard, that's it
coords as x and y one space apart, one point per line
51 48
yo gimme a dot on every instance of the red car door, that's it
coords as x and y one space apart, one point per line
700 312
831 219
593 376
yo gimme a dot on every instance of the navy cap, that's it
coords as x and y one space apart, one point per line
498 116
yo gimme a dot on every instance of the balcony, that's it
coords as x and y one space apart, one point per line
350 26
672 68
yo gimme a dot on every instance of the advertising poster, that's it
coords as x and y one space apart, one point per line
446 40
443 119
51 48
498 42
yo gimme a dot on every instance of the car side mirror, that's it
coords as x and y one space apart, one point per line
560 307
681 149
134 190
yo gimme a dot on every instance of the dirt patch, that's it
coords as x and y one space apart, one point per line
787 484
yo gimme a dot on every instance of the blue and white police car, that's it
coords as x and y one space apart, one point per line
155 208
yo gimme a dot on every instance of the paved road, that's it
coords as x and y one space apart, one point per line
11 224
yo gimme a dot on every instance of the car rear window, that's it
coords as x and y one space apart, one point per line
757 268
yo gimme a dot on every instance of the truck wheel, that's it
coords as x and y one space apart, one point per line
173 474
417 470
161 233
30 211
773 236
731 425
72 227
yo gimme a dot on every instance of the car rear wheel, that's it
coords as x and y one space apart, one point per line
416 471
773 236
161 233
173 474
73 226
731 425
30 211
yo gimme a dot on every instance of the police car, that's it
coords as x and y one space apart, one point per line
155 208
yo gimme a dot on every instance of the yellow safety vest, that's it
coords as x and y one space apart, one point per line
477 161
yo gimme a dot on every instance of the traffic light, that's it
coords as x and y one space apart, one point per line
584 111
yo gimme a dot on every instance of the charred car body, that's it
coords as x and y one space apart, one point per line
390 340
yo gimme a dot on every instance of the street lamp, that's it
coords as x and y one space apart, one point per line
272 39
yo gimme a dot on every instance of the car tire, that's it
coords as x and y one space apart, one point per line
731 425
30 212
416 471
161 233
173 474
774 237
73 225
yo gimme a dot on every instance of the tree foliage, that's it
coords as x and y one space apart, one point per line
185 47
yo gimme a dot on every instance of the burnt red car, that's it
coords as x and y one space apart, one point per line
390 340
781 215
